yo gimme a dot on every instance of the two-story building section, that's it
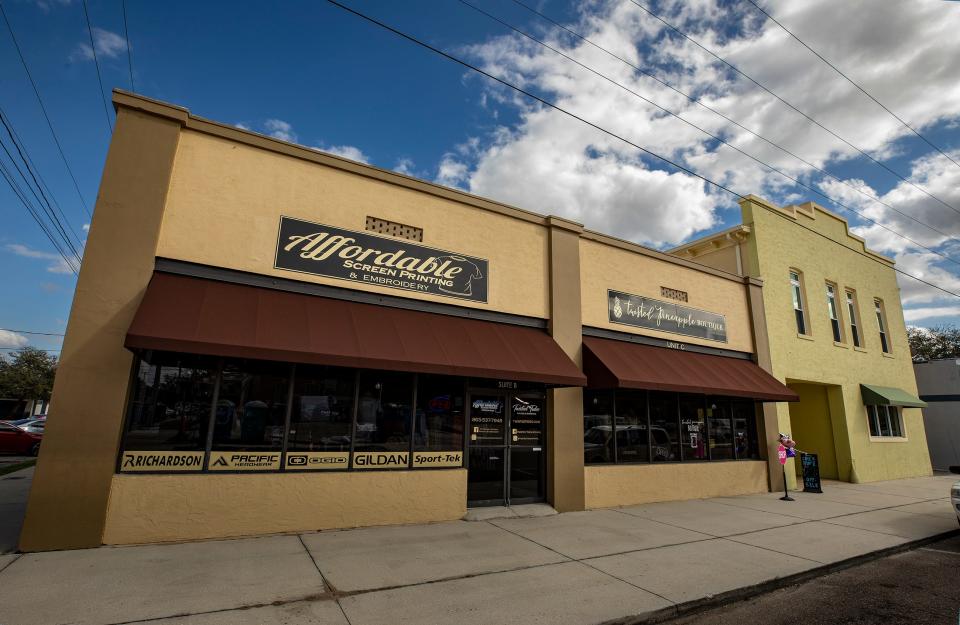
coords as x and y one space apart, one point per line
837 338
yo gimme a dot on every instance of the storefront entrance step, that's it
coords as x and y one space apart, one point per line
509 512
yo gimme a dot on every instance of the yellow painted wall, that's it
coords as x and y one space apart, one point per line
606 267
226 199
777 244
812 425
632 484
159 508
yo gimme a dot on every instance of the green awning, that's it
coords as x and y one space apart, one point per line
888 396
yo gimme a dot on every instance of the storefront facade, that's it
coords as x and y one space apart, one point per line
837 339
266 339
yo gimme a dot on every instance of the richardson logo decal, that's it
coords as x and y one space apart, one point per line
318 460
363 257
645 312
161 461
243 461
381 460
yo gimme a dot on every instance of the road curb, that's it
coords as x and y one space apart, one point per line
747 592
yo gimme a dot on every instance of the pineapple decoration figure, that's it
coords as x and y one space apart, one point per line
617 308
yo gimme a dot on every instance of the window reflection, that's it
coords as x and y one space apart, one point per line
720 428
322 409
438 424
632 438
383 411
170 403
597 426
745 429
251 406
663 427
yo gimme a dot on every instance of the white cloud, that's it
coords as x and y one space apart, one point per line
109 45
12 339
452 172
916 314
55 262
279 129
405 166
346 151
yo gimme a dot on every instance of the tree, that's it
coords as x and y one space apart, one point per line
933 343
28 374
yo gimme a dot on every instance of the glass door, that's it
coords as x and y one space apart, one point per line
506 459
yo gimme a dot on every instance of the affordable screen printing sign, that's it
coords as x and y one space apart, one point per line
363 257
644 312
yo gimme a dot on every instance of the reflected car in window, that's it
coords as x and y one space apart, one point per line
16 440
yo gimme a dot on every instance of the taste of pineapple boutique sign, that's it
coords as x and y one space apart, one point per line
324 250
644 312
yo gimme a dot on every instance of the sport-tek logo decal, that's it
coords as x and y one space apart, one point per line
363 257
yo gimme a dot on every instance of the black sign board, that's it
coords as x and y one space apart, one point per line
526 421
645 312
324 250
486 420
811 473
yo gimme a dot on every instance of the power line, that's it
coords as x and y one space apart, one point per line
43 108
96 62
126 35
805 115
700 102
852 82
45 202
29 332
560 109
718 138
26 203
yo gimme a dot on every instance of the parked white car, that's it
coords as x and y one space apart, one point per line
955 493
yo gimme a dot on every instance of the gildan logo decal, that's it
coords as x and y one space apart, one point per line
381 460
364 257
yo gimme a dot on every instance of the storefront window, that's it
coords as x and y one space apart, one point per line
693 428
438 421
745 429
170 403
663 427
322 409
383 411
632 437
720 428
251 406
597 427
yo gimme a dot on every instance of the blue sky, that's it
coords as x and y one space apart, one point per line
310 73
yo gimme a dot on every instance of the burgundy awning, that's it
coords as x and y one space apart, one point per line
200 316
621 364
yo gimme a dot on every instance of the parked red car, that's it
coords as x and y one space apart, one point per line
16 440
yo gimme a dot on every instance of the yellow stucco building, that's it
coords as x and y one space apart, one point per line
265 338
837 338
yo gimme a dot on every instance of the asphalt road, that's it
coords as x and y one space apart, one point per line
918 587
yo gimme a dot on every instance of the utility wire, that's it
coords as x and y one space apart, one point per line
583 120
58 227
44 202
701 103
126 35
43 108
96 62
29 332
32 211
715 137
852 82
808 117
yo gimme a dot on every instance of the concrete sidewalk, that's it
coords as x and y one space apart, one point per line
577 568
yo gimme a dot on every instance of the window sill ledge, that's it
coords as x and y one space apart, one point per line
838 344
889 439
805 337
859 349
886 355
